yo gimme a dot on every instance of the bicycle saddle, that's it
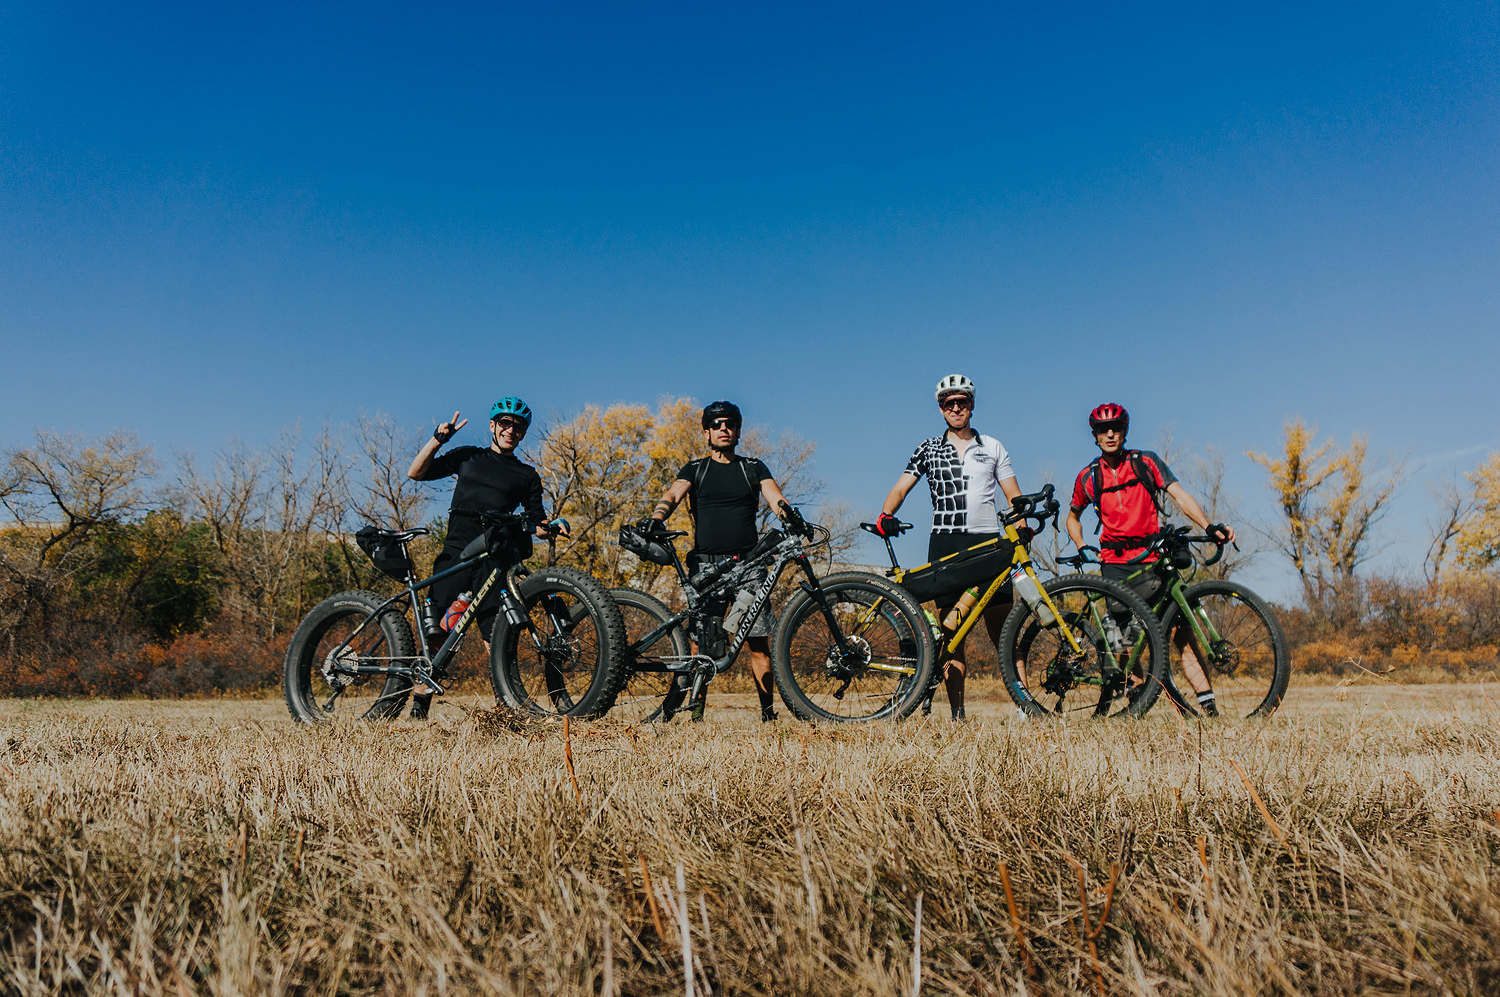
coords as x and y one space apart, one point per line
401 536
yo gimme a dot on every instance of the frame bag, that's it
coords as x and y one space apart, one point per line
948 576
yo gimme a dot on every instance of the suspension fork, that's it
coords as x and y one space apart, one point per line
815 592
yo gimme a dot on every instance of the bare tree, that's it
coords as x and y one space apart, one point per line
385 495
1454 510
59 493
265 511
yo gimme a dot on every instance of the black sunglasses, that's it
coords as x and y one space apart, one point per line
724 424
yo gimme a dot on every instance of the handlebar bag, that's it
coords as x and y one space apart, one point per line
389 555
949 576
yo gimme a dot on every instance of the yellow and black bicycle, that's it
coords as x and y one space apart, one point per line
1078 643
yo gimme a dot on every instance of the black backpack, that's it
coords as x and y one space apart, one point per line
1143 478
700 472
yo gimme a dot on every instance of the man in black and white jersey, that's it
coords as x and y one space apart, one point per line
724 491
964 470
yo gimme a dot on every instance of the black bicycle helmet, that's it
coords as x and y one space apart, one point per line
723 410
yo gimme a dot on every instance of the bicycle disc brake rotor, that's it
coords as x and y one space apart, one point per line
1225 657
338 659
845 666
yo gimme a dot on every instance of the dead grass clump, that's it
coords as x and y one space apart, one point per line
1354 856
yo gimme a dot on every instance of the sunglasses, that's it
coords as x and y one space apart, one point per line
510 424
1110 427
724 424
956 402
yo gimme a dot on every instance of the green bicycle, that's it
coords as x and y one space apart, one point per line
1222 637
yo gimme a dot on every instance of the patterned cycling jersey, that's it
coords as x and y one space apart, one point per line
963 487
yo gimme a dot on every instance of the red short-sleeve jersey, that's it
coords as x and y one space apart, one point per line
1126 508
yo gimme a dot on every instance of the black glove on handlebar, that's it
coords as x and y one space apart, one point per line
651 525
1218 531
1026 533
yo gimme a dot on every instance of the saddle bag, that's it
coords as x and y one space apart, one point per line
949 576
389 555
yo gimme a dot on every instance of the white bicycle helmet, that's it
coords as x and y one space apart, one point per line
955 384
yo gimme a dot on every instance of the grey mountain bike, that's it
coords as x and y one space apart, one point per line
850 647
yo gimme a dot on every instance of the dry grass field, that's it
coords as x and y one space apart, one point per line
1348 846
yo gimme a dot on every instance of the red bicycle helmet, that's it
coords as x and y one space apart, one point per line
1108 413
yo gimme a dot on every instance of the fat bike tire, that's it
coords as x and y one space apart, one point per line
566 657
651 694
312 696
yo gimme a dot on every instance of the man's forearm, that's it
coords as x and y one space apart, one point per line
664 508
423 460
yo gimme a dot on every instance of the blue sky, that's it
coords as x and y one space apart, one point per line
219 220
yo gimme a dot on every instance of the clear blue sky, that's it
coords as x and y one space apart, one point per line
219 220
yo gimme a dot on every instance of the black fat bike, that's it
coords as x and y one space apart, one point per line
849 647
555 647
1221 635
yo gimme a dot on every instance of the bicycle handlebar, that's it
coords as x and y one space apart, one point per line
1024 507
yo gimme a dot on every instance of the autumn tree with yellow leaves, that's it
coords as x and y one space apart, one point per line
1328 505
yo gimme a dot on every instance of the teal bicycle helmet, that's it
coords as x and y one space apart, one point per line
511 405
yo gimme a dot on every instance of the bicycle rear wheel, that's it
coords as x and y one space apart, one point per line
1248 664
651 693
890 657
1113 665
565 658
313 676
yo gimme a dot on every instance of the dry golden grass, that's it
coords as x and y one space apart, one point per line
214 848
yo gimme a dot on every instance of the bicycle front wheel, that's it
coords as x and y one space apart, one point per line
882 669
1104 656
1245 660
651 692
564 658
340 634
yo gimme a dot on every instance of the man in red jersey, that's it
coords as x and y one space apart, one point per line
1125 487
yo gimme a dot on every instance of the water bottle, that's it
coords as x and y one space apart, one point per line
1027 588
430 625
450 618
961 608
742 601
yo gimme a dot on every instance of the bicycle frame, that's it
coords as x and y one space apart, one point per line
422 665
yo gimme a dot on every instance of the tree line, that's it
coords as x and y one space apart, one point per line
123 572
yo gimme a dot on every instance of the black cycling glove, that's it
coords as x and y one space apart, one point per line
442 437
887 525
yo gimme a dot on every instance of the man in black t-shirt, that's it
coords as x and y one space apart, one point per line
490 479
724 491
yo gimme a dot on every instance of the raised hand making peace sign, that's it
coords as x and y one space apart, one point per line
445 430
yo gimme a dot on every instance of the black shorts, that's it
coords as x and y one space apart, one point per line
940 545
1148 586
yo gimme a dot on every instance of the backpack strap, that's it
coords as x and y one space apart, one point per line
700 473
1143 477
